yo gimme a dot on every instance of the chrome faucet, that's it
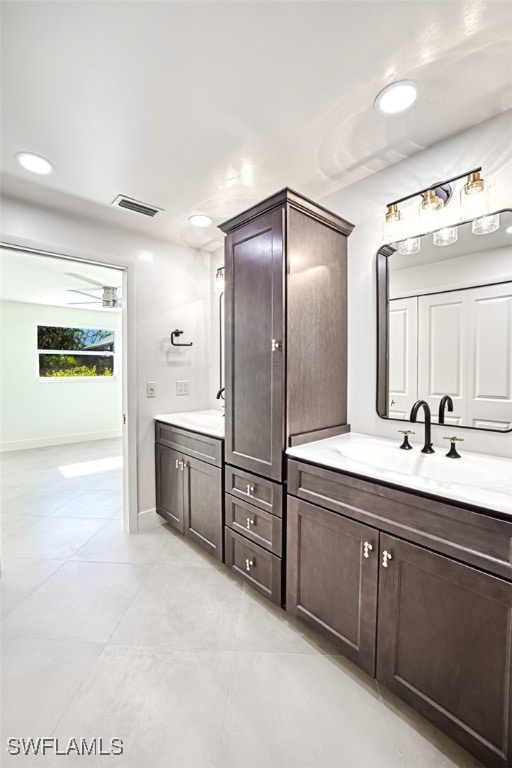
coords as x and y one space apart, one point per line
427 448
446 401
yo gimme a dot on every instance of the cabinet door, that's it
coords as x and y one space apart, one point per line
444 646
203 505
331 585
169 485
254 365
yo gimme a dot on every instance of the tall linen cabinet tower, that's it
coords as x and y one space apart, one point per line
286 365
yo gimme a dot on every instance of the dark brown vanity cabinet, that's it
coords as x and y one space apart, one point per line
416 592
189 490
286 361
286 330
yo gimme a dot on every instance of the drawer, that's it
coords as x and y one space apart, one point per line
476 538
203 447
259 567
259 491
255 524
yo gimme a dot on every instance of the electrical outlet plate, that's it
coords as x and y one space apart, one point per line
151 389
182 387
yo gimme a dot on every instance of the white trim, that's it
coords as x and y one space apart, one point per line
42 442
149 518
128 368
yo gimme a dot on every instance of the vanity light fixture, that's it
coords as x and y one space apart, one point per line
396 97
219 280
200 220
34 163
434 200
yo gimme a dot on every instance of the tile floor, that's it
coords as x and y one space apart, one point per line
145 639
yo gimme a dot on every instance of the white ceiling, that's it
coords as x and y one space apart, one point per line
210 106
47 280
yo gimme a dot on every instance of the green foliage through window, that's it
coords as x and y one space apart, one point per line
75 352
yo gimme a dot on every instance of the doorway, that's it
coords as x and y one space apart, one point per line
65 389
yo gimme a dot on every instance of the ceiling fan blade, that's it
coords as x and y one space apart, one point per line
85 279
84 293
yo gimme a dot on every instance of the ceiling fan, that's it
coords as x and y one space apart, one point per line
108 299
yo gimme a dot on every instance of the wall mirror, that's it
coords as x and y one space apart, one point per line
444 319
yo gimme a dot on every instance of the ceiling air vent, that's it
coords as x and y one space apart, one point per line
136 206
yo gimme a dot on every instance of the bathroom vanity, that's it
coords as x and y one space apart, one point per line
411 576
189 454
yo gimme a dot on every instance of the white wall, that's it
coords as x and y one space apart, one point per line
35 412
488 145
168 287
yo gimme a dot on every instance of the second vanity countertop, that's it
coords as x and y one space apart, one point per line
205 422
475 479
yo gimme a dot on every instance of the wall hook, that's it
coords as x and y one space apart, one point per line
176 334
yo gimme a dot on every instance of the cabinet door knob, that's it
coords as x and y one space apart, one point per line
386 557
250 489
250 522
367 548
249 564
275 345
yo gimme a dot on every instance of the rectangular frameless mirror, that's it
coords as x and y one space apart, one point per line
445 327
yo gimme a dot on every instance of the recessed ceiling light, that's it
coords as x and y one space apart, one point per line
396 97
200 220
509 230
34 163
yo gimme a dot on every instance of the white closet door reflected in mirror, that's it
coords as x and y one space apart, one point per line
449 329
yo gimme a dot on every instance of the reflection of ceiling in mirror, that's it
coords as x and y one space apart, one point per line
466 244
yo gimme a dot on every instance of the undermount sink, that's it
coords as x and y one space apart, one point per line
208 422
467 470
477 479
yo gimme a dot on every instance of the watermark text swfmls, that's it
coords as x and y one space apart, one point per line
52 745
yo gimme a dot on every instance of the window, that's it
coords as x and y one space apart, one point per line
75 352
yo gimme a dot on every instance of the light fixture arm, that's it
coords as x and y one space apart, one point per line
434 186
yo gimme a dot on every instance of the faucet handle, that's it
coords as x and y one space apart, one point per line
406 446
452 453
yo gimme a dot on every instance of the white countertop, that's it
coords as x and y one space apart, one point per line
206 422
476 479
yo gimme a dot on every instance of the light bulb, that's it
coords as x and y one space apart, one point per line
392 227
486 224
445 236
430 208
409 246
474 197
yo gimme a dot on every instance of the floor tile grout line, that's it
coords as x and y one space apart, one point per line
394 736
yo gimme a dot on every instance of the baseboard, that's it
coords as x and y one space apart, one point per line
43 442
149 518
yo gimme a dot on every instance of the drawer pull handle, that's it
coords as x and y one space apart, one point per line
367 548
250 522
386 557
249 564
177 463
250 490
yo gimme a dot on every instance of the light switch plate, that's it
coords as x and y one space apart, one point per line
182 387
151 389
